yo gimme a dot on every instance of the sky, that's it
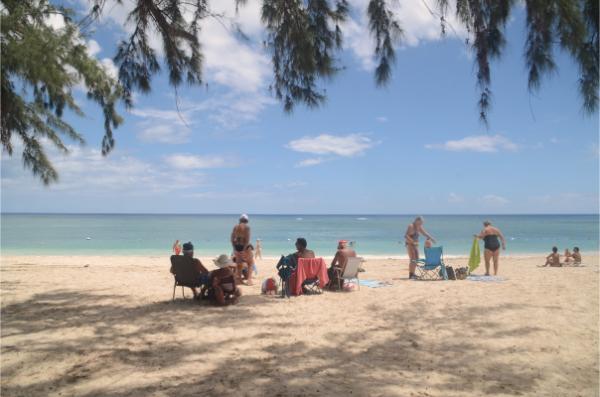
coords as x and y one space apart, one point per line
415 146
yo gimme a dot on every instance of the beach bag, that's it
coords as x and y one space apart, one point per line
449 272
461 273
269 286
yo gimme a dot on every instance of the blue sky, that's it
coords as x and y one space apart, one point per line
415 146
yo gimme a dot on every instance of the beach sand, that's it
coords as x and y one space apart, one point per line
106 326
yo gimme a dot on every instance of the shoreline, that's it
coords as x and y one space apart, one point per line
205 257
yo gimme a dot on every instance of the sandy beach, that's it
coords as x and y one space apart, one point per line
98 326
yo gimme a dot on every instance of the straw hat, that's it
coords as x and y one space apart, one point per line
223 261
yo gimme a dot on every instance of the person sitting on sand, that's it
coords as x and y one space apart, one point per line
411 241
188 250
224 289
338 264
301 250
240 241
553 259
572 258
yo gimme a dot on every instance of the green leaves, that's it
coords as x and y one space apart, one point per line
41 64
302 38
387 32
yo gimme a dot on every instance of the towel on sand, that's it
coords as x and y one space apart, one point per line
475 257
374 283
486 279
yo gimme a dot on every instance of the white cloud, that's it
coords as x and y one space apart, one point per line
325 144
382 119
85 171
494 200
477 143
455 198
415 19
184 161
554 140
164 133
110 67
93 48
309 162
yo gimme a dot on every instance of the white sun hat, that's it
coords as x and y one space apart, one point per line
223 261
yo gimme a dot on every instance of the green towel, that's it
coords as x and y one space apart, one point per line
475 257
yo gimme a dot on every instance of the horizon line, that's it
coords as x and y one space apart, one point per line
296 214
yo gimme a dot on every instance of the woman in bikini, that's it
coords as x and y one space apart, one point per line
240 241
492 237
411 241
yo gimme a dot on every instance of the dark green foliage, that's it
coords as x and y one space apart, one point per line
571 25
40 67
302 38
386 31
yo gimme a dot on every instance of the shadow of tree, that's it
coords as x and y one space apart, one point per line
389 357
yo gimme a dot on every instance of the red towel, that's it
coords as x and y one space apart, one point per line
308 269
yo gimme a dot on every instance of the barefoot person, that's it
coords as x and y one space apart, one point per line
491 236
411 240
553 259
188 251
258 250
301 250
177 247
240 241
338 264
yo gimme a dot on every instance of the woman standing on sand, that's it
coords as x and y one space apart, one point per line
411 241
177 247
491 236
258 249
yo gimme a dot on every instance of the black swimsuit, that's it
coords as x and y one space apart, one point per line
491 242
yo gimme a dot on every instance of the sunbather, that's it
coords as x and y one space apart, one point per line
493 239
553 259
573 258
224 289
338 264
411 241
240 241
188 250
301 250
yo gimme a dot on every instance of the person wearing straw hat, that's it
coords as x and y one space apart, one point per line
240 241
224 289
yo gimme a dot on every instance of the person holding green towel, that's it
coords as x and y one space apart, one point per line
492 237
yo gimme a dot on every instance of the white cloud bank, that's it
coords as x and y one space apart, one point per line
184 161
477 143
340 145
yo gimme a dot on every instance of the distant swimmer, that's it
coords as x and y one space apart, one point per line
492 237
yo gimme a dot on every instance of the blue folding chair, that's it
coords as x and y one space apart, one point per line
432 267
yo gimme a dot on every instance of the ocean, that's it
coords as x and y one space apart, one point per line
374 235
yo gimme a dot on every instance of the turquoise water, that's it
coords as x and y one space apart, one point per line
56 234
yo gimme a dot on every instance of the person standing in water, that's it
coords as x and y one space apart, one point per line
411 241
258 249
240 241
492 237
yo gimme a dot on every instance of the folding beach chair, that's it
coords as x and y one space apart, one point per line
285 267
350 272
185 273
433 267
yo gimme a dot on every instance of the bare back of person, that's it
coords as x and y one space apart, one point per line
240 236
305 254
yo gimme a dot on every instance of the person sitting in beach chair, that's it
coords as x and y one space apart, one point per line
188 271
338 264
553 259
301 250
223 290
